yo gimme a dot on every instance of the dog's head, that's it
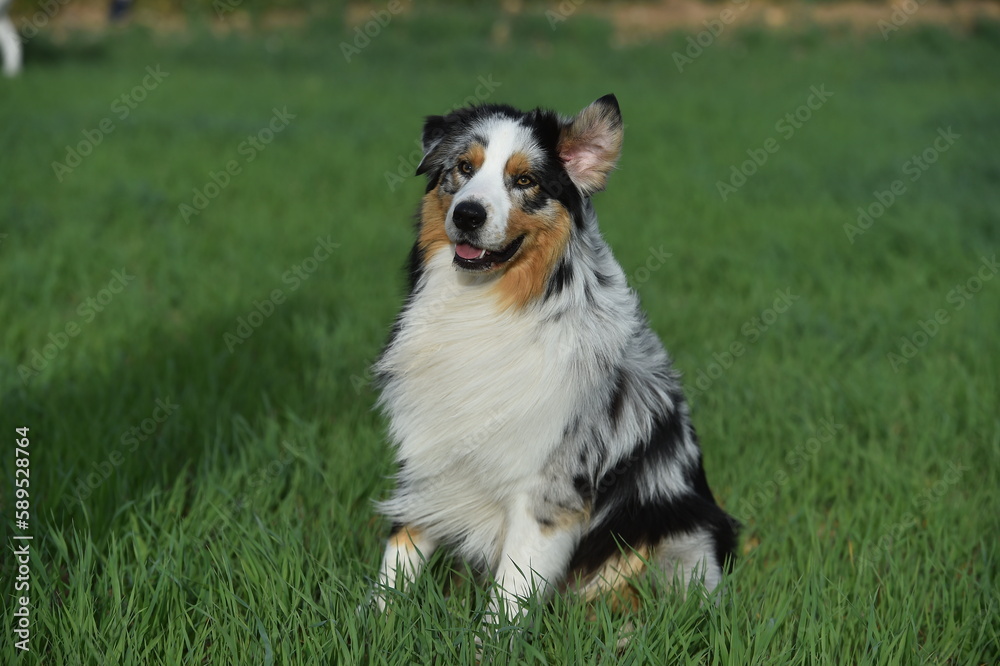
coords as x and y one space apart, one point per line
505 187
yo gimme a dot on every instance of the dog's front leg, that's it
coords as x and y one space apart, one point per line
405 554
535 556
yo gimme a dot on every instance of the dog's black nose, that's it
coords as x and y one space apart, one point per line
469 215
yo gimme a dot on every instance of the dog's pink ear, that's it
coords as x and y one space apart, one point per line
590 144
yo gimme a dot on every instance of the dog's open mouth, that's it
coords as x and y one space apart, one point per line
478 259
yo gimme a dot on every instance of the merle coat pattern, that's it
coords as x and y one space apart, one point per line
540 430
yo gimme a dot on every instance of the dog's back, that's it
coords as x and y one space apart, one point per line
540 429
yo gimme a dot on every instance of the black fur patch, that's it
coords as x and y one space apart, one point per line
630 522
583 486
415 267
617 403
561 277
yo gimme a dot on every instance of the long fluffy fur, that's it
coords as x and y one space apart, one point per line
540 430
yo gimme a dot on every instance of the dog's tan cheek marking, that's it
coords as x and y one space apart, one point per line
546 236
433 212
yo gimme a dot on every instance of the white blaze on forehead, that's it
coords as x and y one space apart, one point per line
504 137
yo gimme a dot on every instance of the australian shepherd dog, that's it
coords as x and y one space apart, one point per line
540 430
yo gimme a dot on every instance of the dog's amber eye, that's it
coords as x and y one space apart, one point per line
524 180
465 167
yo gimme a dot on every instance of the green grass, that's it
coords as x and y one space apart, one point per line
240 530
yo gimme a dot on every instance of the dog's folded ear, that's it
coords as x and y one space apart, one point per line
589 145
435 128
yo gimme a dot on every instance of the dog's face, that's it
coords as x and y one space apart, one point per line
506 187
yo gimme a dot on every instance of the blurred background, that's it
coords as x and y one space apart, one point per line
205 208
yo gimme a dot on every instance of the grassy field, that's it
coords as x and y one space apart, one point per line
201 243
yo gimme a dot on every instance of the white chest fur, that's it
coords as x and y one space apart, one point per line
479 397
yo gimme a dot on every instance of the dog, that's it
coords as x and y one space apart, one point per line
10 42
540 430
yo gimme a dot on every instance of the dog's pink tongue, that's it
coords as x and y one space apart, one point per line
467 251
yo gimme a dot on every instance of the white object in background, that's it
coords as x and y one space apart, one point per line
10 42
